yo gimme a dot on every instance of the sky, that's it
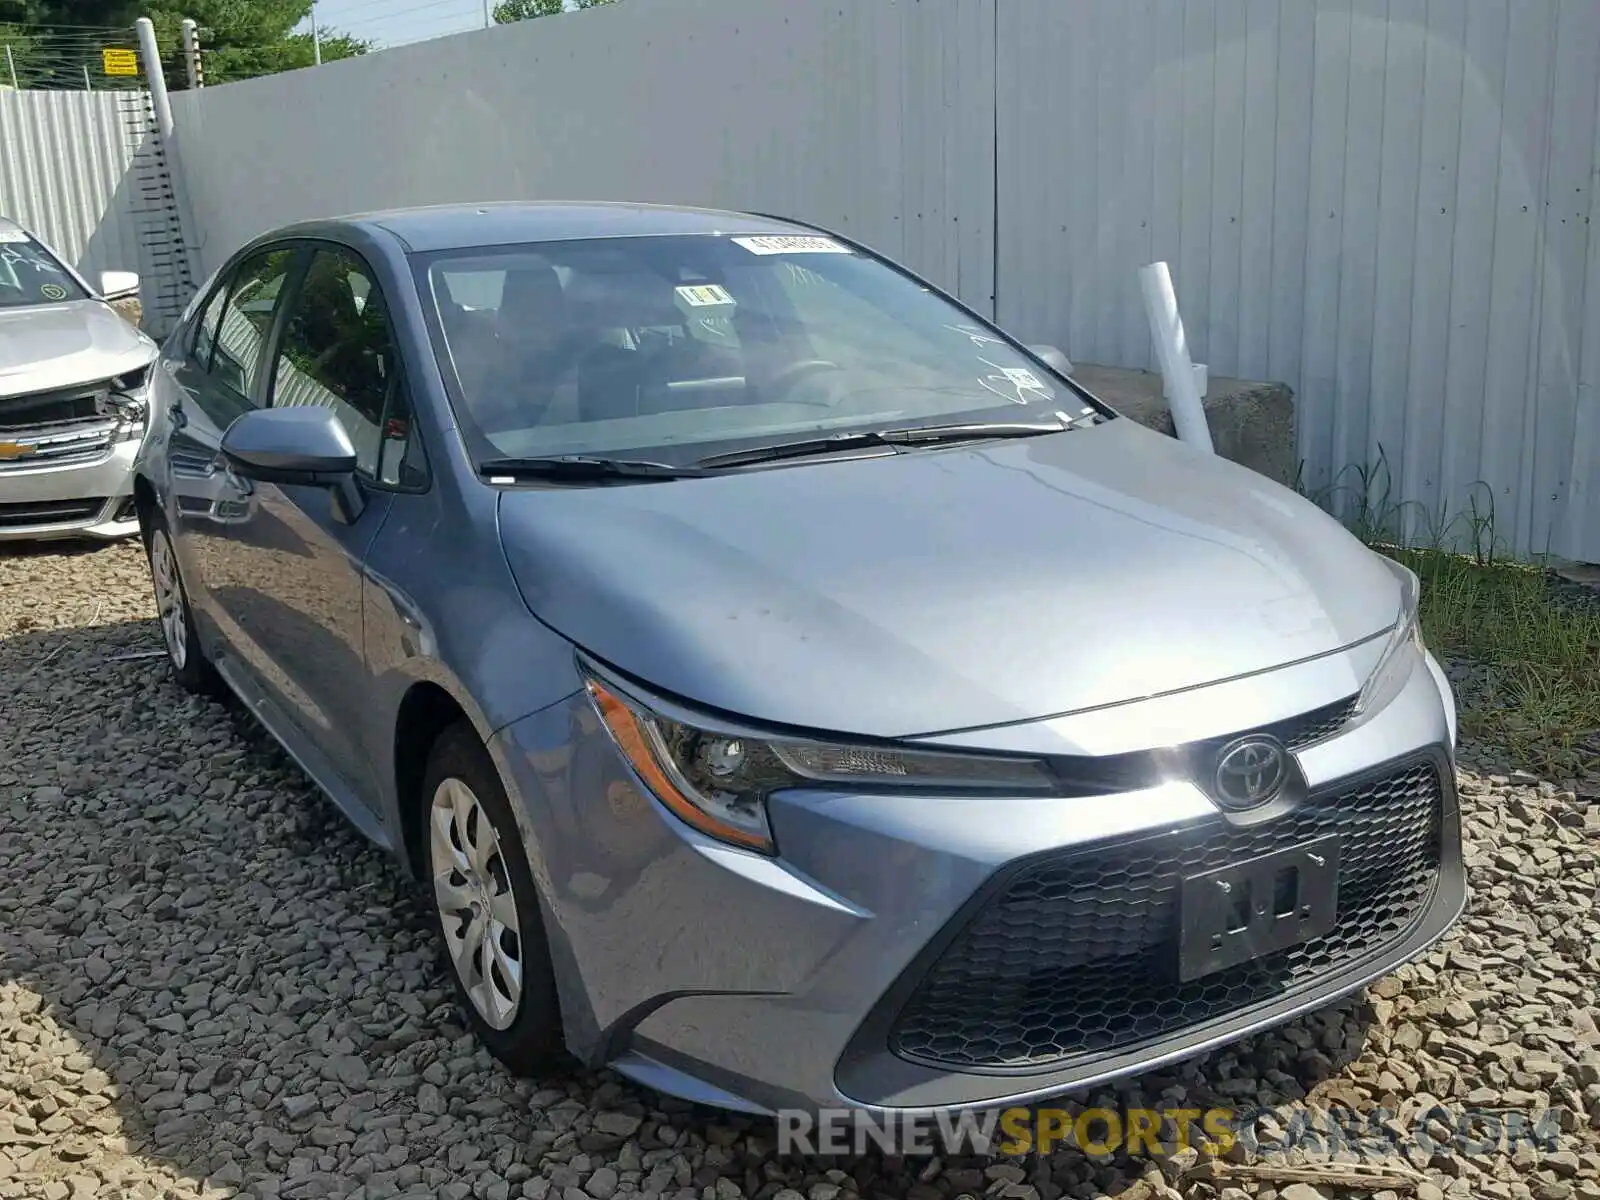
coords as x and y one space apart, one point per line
392 22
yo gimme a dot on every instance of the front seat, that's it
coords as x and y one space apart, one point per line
529 354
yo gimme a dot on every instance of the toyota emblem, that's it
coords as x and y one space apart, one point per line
1250 772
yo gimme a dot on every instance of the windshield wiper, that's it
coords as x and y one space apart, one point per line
921 434
582 467
915 435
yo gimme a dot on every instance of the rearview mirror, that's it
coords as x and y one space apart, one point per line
118 285
300 447
1052 358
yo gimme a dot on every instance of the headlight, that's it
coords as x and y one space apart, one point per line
127 401
1404 640
718 781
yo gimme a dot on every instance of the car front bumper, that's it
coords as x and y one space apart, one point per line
916 954
91 499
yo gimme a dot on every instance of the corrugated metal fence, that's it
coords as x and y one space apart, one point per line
1385 203
87 172
66 160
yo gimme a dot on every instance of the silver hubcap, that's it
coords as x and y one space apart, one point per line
477 907
169 598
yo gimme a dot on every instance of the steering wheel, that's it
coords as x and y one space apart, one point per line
786 377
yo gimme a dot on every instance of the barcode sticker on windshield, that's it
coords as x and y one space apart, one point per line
791 245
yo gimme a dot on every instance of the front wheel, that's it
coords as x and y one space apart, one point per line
485 907
190 667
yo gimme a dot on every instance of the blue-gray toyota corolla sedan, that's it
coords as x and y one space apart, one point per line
792 691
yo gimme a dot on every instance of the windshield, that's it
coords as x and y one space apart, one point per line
30 274
687 346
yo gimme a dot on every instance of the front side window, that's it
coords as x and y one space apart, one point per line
31 275
682 347
337 352
245 323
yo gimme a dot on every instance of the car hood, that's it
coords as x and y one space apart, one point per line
948 589
61 345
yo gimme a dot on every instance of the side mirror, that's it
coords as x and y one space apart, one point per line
300 447
118 285
1053 358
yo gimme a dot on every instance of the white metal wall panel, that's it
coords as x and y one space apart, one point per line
1387 204
64 173
876 119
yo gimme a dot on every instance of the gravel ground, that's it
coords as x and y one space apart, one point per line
209 986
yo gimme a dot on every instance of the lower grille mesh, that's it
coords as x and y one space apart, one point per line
49 512
1077 957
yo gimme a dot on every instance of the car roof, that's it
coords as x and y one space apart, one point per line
456 226
7 225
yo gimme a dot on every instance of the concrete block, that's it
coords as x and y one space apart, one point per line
1252 422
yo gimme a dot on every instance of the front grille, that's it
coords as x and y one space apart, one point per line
58 446
1077 955
61 406
1096 775
49 512
1297 733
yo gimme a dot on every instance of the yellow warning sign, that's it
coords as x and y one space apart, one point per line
121 62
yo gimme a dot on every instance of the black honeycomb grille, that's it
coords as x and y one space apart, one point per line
1077 956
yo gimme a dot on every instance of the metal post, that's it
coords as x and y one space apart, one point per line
160 102
12 63
191 51
488 17
316 35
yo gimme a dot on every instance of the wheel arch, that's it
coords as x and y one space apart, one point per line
426 710
145 502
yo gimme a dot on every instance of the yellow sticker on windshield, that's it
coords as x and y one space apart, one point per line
705 295
704 302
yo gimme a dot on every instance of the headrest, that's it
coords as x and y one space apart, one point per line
532 294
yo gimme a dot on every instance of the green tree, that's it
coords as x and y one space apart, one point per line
508 11
239 39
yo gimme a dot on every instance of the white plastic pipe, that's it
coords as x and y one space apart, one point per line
1166 329
151 54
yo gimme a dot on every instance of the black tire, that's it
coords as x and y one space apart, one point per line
532 1041
194 672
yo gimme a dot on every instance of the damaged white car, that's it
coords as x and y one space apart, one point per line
74 380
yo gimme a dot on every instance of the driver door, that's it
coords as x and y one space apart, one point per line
217 382
297 562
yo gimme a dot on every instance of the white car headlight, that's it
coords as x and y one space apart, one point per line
1403 647
718 781
129 401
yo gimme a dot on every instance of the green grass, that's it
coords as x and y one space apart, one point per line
1540 653
1536 645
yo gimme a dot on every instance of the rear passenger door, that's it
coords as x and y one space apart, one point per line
297 563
